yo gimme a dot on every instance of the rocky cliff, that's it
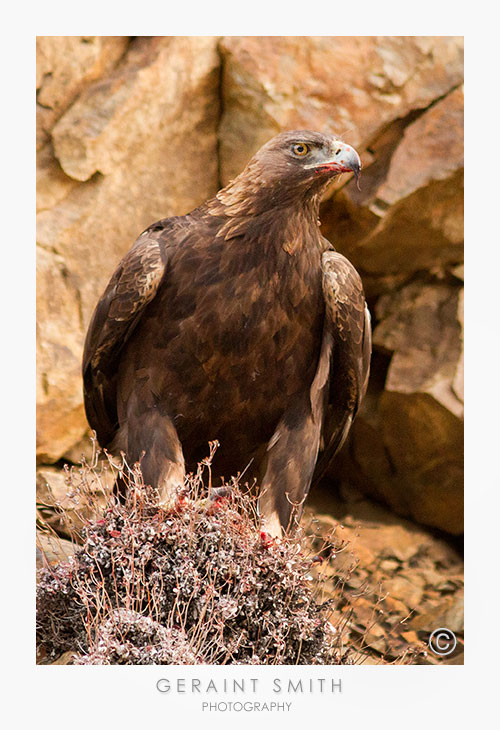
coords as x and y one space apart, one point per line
130 130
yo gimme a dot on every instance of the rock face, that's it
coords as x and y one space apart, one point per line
133 130
407 444
412 209
125 151
65 65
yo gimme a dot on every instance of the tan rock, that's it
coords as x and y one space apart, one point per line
65 501
408 215
407 443
364 659
64 66
448 613
393 605
458 379
52 549
426 445
51 485
420 410
154 137
421 326
400 598
404 590
82 449
58 507
431 149
52 185
60 416
67 658
117 116
393 541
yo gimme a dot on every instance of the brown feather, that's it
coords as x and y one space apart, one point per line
233 323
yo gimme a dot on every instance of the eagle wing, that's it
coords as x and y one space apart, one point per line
132 287
348 328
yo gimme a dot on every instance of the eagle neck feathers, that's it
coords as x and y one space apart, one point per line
249 211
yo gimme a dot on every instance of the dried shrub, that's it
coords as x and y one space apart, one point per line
126 637
194 583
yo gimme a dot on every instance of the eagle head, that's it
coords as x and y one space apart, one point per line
289 169
307 157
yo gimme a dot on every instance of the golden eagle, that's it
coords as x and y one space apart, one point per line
238 323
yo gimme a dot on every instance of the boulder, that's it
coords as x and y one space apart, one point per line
65 65
60 415
406 446
67 499
161 90
51 549
408 215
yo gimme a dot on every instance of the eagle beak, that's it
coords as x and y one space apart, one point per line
344 159
350 160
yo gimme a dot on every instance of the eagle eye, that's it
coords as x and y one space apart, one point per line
300 149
